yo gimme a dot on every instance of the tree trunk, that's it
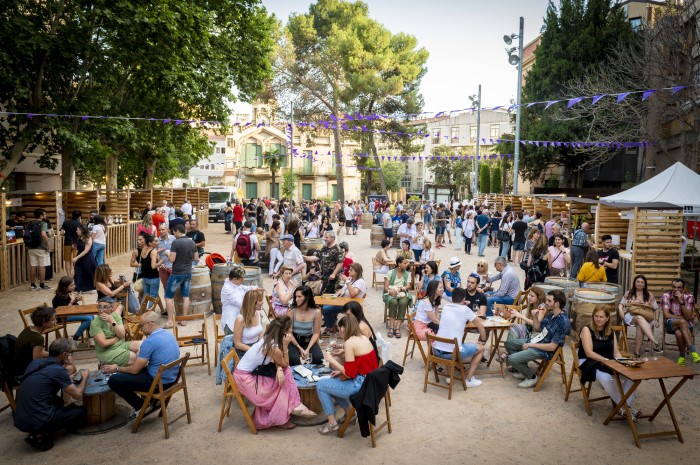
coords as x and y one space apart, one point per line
67 169
272 188
112 168
150 169
339 163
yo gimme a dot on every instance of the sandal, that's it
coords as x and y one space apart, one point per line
503 357
397 333
390 333
304 412
182 323
288 425
168 326
328 428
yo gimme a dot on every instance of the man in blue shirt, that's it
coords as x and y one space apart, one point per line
482 229
159 348
554 328
580 244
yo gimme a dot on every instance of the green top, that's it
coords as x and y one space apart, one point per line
118 352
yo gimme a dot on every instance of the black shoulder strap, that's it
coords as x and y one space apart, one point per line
41 367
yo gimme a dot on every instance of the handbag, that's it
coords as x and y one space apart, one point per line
138 285
642 310
268 370
503 236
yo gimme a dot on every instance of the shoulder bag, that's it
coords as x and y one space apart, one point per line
642 310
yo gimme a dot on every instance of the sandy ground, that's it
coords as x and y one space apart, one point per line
494 423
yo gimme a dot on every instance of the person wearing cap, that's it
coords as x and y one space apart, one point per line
510 285
291 258
405 231
109 334
451 278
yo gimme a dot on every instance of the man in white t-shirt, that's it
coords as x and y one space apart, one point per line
406 230
349 213
453 320
187 208
269 212
387 226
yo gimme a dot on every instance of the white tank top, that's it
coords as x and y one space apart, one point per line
253 358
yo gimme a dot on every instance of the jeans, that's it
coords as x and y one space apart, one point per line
483 238
124 385
151 286
67 418
468 245
577 256
519 358
417 253
98 251
330 389
84 326
175 281
466 351
505 247
330 315
490 300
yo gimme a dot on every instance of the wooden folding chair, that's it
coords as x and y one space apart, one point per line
433 361
584 388
159 393
372 429
546 365
413 337
218 336
519 302
131 321
621 335
377 278
231 391
26 314
194 340
9 387
63 322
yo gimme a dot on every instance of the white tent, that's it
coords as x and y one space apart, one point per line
676 187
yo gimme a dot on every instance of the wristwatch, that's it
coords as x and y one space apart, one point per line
114 324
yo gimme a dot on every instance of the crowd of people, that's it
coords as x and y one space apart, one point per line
268 344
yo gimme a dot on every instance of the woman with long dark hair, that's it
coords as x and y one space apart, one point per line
639 295
66 294
306 320
84 262
275 398
427 320
591 271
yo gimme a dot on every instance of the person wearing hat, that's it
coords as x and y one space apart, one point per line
291 258
451 278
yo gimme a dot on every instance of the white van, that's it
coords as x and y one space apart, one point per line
218 196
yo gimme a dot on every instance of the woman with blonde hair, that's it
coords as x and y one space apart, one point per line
428 254
147 225
247 327
482 269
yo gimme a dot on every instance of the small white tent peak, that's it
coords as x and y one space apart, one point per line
676 187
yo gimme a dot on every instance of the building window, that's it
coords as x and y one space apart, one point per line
308 163
494 133
636 23
472 133
454 135
436 136
406 181
275 190
251 190
231 143
306 191
252 155
334 192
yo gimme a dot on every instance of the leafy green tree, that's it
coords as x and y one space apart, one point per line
287 187
179 60
496 186
576 36
485 178
393 174
274 160
447 172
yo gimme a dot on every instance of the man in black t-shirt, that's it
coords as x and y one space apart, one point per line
609 258
475 300
519 227
197 236
69 229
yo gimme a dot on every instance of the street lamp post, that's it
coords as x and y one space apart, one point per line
517 61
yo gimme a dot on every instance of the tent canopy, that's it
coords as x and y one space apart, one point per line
676 187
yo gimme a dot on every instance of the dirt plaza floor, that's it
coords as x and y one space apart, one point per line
493 423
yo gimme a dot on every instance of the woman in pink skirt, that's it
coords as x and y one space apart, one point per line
275 398
426 320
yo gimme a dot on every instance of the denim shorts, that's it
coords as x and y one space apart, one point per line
175 281
439 230
518 246
389 232
669 326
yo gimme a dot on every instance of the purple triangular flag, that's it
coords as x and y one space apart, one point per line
596 98
622 96
647 93
677 89
551 102
574 101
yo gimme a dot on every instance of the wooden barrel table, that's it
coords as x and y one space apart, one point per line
586 302
614 289
397 241
568 285
367 220
219 275
376 236
308 244
253 276
200 292
98 400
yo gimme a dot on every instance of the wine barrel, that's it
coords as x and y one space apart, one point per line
568 285
219 275
586 302
200 292
253 276
308 244
263 260
366 220
610 288
397 240
376 236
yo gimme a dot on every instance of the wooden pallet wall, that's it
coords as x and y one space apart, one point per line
115 203
49 201
542 206
80 200
529 205
137 202
657 247
608 220
517 202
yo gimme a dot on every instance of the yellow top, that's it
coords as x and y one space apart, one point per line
589 274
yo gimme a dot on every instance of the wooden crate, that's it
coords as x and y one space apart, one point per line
657 247
608 220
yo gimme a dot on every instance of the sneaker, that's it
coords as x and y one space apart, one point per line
518 375
681 361
33 287
132 416
695 356
44 287
529 383
473 382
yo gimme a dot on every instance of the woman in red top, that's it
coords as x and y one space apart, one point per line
346 379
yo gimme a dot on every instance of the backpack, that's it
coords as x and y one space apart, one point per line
32 235
458 222
7 356
244 246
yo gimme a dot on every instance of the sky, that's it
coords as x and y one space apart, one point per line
464 39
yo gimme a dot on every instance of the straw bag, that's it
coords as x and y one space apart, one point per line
642 310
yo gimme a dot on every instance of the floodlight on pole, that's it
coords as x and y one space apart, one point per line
516 60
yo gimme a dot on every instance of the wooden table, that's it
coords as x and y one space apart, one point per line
309 397
495 329
336 301
653 369
76 310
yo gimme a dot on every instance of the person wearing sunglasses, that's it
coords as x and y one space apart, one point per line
109 334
